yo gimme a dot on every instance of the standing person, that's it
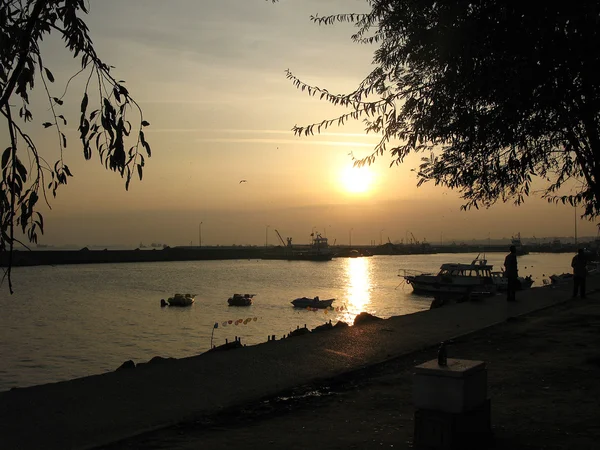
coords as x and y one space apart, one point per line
578 264
511 272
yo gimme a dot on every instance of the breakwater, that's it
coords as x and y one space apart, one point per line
86 256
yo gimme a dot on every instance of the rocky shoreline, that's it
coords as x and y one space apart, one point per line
98 410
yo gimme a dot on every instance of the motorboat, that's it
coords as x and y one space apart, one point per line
240 299
305 302
562 278
473 279
501 282
181 300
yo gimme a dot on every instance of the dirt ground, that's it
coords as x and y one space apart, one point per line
544 385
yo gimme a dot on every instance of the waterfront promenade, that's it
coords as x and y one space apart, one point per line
101 409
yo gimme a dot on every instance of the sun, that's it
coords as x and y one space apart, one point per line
356 180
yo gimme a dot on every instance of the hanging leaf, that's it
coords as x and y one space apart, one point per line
6 157
84 103
49 75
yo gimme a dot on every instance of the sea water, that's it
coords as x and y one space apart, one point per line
70 321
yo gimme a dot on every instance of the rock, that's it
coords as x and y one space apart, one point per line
299 332
160 360
341 324
437 302
365 317
324 327
127 365
227 346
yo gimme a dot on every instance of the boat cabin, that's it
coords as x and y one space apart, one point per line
478 268
319 242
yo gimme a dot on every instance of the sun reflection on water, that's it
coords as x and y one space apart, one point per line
358 287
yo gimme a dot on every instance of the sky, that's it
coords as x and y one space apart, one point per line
210 78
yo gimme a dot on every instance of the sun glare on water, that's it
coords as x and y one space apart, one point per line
357 180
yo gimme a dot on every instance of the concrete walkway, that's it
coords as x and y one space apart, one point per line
96 410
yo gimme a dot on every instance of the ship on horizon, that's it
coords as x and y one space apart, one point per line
317 250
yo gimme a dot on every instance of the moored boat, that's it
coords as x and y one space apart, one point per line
181 300
240 299
304 302
501 282
317 250
473 279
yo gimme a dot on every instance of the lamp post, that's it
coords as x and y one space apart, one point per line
267 236
200 234
575 211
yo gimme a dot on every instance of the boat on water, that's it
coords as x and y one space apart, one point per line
240 299
317 250
353 253
516 241
181 300
305 302
562 278
473 279
501 282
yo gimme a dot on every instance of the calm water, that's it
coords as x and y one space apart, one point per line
66 322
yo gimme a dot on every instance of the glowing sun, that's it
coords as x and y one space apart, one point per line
356 180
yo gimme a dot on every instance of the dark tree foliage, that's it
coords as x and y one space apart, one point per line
26 175
497 92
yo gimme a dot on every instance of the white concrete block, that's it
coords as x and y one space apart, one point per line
458 387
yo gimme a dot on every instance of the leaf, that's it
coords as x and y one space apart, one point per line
49 75
63 119
145 123
46 124
57 100
64 140
67 171
41 222
84 103
33 198
21 169
6 157
140 171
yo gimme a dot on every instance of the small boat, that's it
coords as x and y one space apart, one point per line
304 302
181 300
562 278
501 282
240 300
473 279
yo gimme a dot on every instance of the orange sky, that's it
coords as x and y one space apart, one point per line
210 79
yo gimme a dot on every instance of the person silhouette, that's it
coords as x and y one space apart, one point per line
511 273
579 263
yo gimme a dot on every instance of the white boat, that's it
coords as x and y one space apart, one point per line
501 282
181 299
454 278
304 302
240 300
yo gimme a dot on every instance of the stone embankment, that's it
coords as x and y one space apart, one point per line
96 410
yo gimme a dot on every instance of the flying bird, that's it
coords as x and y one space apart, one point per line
243 181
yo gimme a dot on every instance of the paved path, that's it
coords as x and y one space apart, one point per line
95 410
